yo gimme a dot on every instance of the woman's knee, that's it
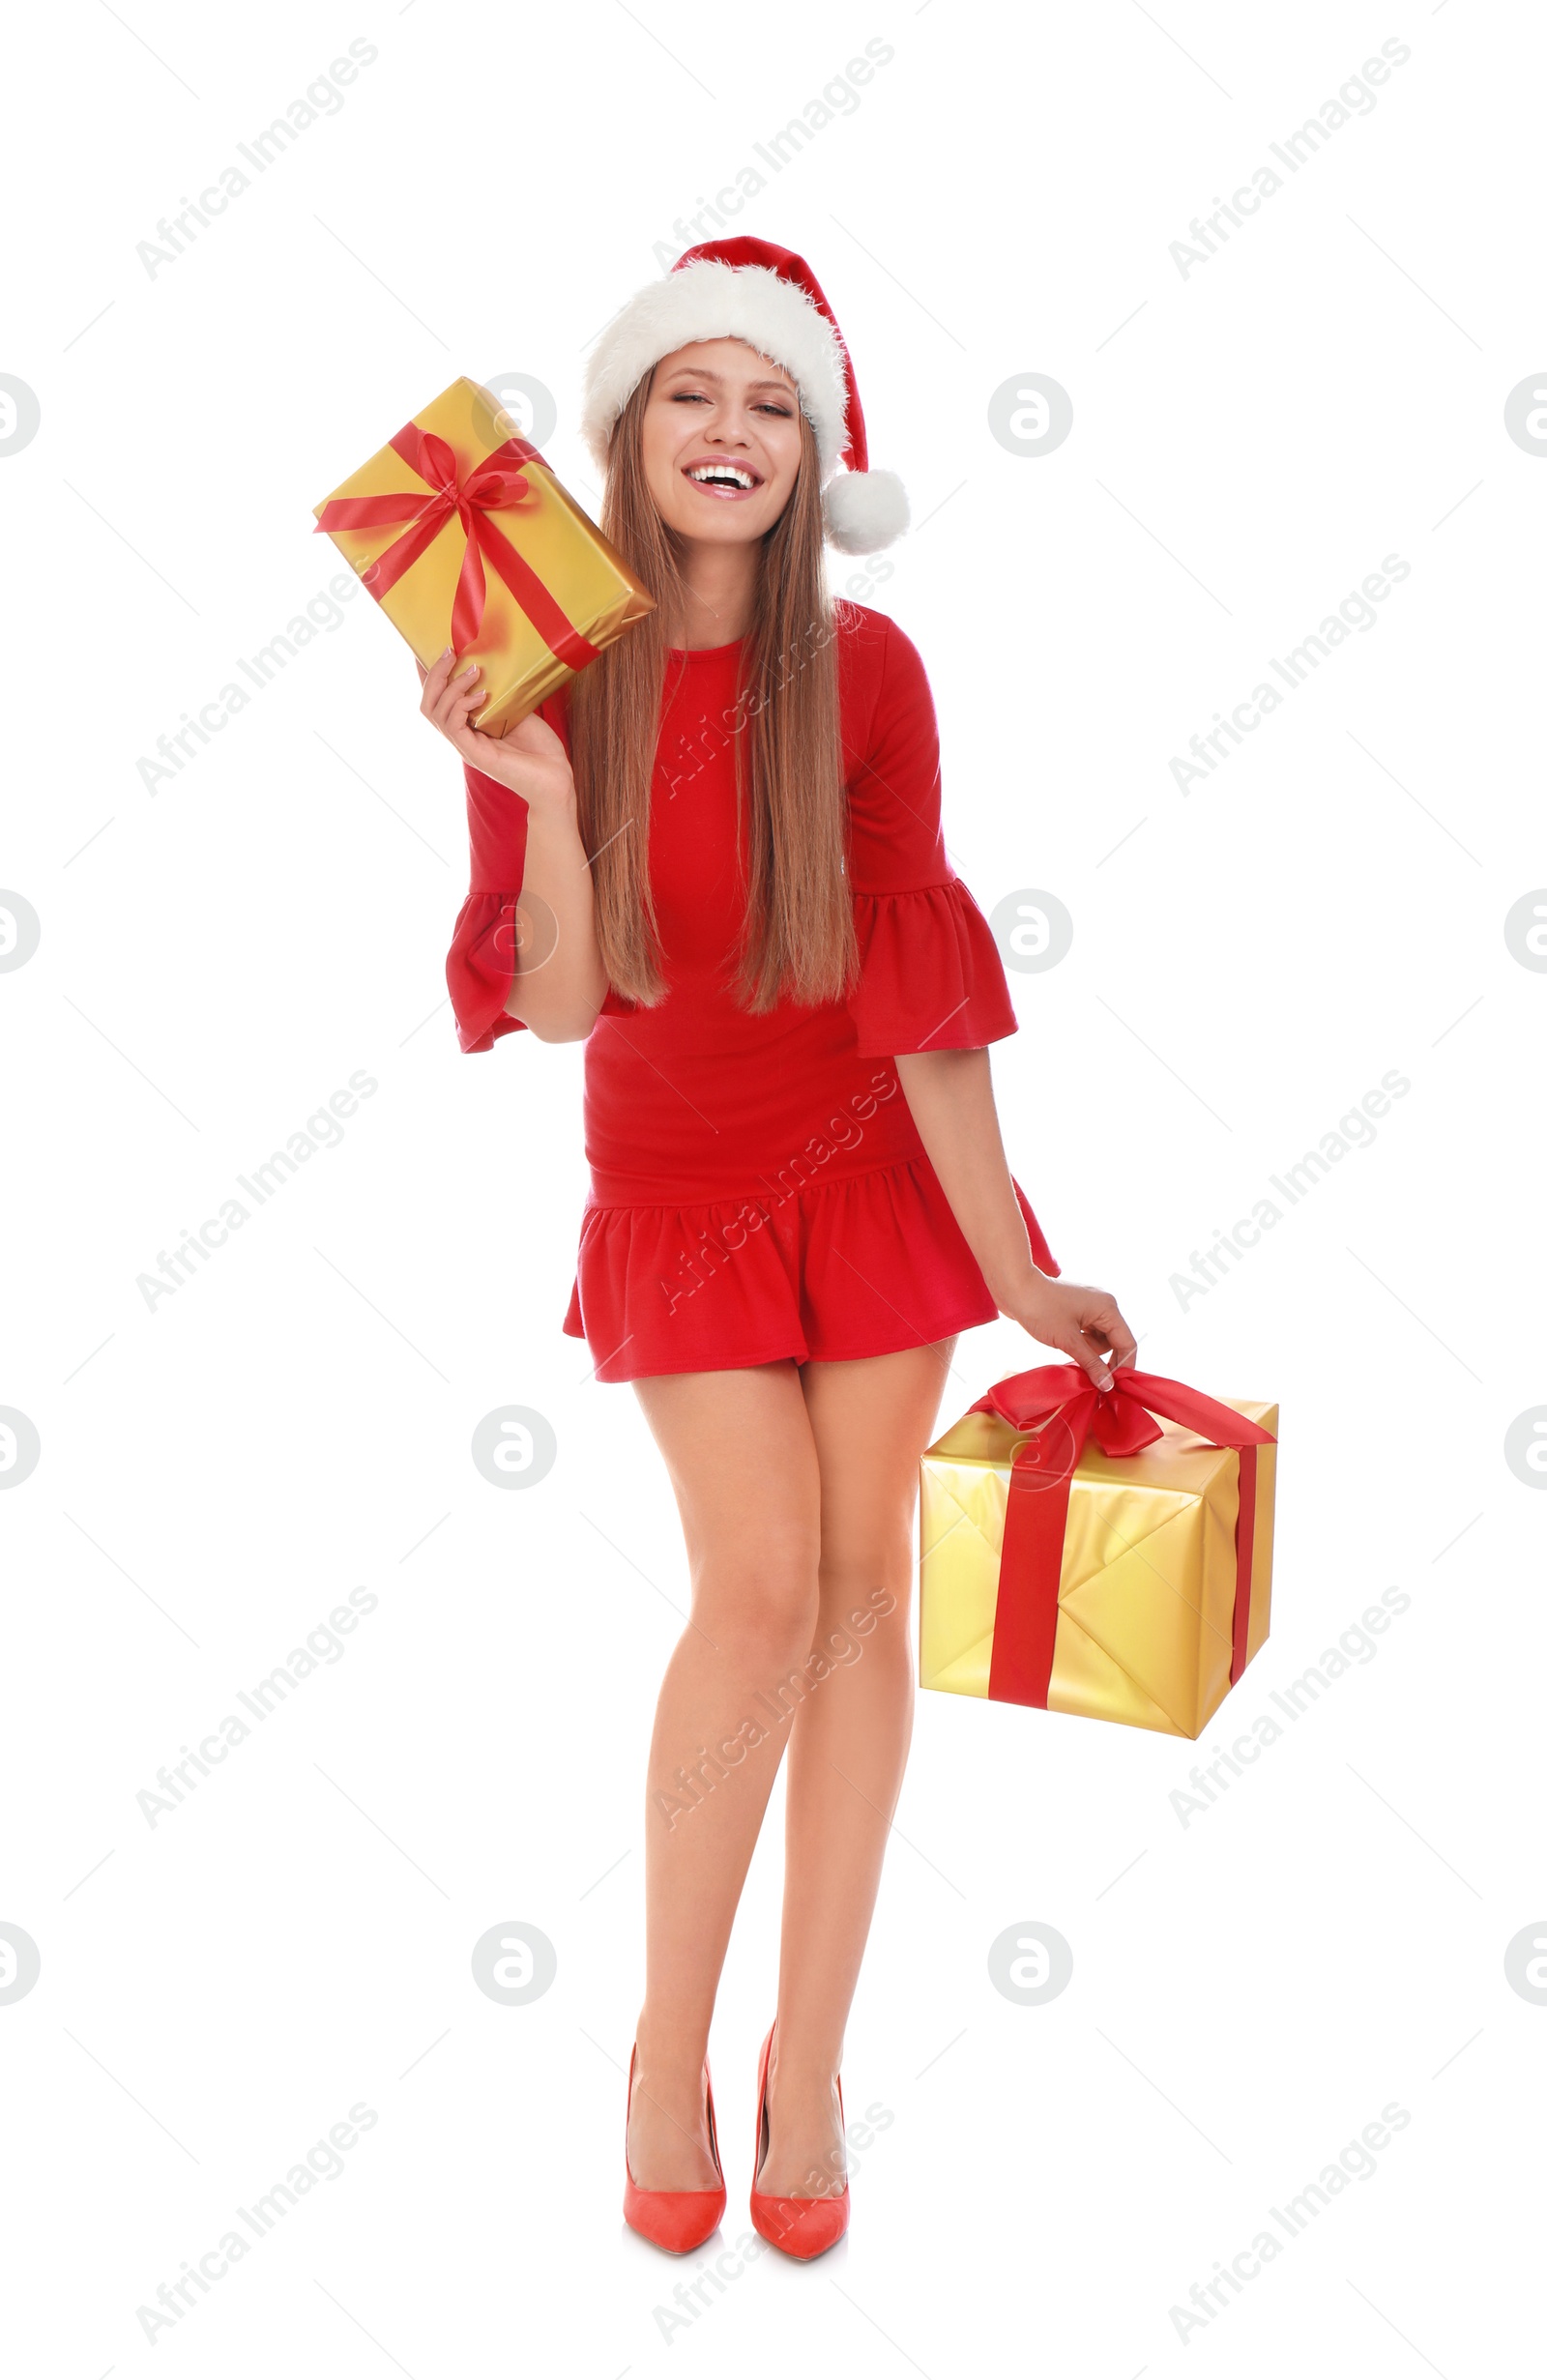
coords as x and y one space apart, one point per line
760 1597
866 1583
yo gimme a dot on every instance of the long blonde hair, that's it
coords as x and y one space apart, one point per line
797 939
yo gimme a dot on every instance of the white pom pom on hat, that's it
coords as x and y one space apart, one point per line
754 290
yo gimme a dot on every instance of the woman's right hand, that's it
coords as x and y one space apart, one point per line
527 757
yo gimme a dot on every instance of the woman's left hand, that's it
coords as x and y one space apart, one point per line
1083 1324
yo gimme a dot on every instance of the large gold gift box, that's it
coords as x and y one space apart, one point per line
466 538
1147 1619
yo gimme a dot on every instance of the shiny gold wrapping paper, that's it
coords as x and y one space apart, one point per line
1147 1592
590 583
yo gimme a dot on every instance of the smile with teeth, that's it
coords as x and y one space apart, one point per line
724 479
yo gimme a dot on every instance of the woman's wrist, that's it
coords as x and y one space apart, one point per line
1024 1298
553 822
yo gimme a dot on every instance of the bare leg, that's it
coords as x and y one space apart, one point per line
742 1460
871 1421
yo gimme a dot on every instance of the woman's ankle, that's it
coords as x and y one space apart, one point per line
671 2052
804 2069
806 2151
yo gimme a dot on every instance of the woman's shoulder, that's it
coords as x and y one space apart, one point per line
869 640
881 674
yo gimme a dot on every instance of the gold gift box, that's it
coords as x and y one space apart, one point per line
1147 1588
590 583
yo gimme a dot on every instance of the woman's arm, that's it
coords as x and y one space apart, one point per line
952 1097
560 981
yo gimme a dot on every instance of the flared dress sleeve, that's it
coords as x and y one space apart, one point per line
930 975
481 963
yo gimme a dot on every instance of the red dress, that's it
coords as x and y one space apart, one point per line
758 1187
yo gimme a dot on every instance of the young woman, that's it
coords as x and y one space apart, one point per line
717 858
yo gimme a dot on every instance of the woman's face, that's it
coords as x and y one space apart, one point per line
722 440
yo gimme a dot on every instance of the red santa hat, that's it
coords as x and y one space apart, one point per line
753 290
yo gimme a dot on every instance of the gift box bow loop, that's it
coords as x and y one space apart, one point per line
489 486
1061 1409
1120 1419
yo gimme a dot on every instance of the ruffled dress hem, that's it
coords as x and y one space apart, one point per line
733 1282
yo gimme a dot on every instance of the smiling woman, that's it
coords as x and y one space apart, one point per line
798 1191
718 408
767 463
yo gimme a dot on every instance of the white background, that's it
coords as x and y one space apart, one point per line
1250 440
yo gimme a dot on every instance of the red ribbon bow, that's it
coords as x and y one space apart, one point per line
486 489
1070 1410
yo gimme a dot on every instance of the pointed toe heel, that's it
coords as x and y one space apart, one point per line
679 2221
802 2228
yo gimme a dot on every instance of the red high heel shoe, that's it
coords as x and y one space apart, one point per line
676 2219
803 2227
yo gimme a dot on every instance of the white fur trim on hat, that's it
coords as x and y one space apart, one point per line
864 510
708 300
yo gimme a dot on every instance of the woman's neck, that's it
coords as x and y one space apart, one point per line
720 583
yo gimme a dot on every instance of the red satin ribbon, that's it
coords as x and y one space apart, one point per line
1063 1398
486 489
